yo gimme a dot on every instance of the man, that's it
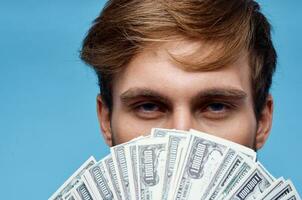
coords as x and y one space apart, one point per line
198 64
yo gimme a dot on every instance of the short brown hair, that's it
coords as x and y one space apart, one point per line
125 27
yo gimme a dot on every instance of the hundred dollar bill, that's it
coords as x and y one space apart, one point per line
121 167
276 184
177 141
242 167
293 195
162 132
83 192
253 185
151 157
201 162
80 191
131 154
73 180
109 167
71 195
238 168
281 191
229 159
238 147
99 182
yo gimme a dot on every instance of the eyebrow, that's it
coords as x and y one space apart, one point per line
211 93
227 92
134 93
220 93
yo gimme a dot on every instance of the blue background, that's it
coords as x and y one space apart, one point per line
48 122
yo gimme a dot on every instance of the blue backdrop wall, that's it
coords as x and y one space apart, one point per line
48 123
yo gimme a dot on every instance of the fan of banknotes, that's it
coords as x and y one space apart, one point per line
170 164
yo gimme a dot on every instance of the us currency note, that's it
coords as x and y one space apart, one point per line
83 192
228 160
71 195
293 195
201 162
253 185
131 155
151 157
99 182
281 191
121 167
177 141
73 180
243 149
238 168
109 167
79 191
276 184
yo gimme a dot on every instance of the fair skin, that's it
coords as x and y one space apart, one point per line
153 91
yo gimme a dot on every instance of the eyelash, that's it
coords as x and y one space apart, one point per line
227 109
224 104
146 104
139 105
139 111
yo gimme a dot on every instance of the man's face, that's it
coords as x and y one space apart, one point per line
153 91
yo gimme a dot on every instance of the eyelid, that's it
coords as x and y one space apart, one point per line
229 106
138 104
206 113
225 107
146 103
138 110
226 101
142 101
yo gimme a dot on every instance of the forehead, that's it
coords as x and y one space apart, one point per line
155 68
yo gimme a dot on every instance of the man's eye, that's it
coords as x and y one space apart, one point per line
148 107
216 107
217 110
149 110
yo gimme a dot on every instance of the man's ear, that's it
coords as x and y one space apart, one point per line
104 120
264 123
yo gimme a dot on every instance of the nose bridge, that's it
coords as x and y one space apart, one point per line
182 118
